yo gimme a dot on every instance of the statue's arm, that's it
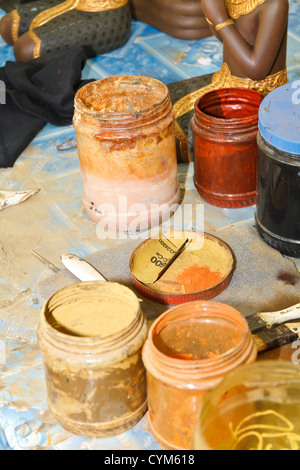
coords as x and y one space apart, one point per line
256 61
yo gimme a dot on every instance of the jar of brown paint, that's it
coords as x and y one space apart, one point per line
91 335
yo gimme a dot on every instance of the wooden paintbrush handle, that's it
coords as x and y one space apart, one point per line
276 318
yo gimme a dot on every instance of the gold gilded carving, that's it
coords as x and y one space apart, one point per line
222 79
82 5
15 25
237 8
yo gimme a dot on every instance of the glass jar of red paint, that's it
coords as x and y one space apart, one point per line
225 127
278 206
188 352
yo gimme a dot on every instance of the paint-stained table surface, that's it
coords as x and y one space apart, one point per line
54 222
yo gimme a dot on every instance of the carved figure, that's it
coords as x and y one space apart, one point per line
48 27
254 37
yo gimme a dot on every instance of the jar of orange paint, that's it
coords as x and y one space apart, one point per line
189 350
127 152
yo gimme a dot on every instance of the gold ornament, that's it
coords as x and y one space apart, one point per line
15 25
223 25
237 8
222 79
37 44
81 5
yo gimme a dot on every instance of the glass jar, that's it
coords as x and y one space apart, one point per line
127 152
188 351
225 127
91 335
256 407
278 206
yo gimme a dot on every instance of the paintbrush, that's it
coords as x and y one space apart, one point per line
261 321
277 336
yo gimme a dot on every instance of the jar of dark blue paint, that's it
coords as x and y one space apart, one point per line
278 207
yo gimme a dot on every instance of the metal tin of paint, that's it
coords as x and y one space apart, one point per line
127 152
278 207
91 335
225 126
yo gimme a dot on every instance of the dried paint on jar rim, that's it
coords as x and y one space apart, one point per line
92 310
129 99
96 385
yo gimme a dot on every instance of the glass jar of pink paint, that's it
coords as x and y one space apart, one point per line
127 152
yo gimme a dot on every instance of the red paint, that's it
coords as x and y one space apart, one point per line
225 128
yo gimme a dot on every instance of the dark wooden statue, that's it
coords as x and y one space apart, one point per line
182 19
254 37
46 28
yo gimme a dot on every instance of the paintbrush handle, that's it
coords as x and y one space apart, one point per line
277 318
274 338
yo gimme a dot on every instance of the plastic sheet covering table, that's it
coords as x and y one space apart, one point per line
54 222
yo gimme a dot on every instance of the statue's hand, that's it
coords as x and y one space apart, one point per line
215 10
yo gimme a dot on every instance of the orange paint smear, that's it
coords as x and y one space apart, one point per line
186 357
198 278
194 357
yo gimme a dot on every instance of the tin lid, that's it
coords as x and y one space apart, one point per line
279 118
201 271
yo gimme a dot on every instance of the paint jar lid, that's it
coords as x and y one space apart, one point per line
202 271
279 118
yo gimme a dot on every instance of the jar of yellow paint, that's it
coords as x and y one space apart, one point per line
91 335
255 407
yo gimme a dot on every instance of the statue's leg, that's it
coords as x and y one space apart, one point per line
17 22
97 32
